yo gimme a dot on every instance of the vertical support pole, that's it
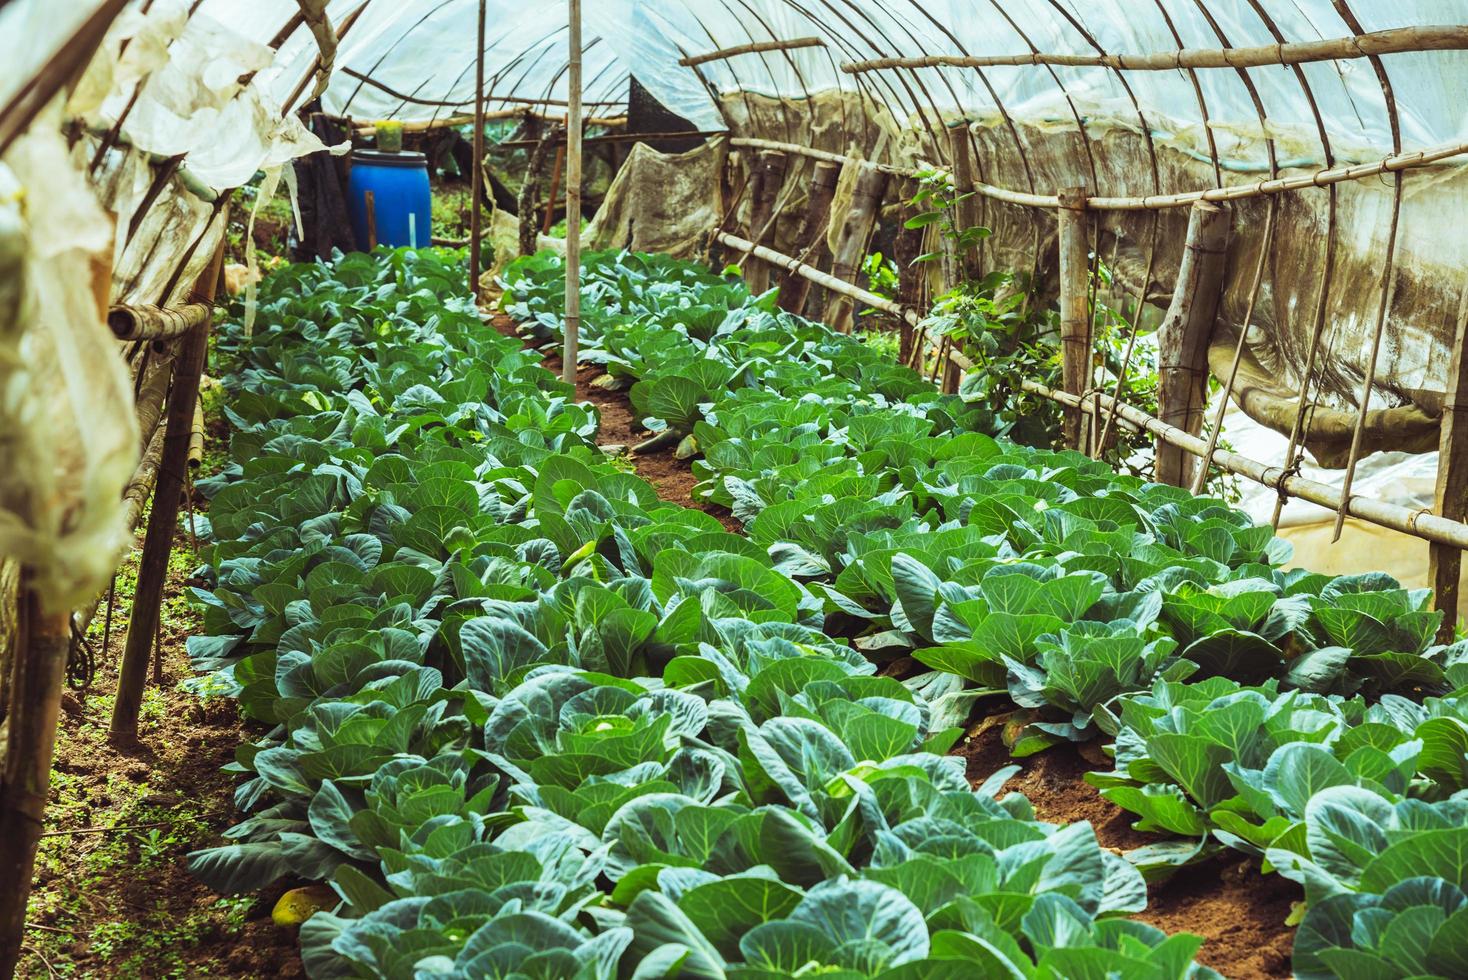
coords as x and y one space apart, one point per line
1182 385
968 265
549 221
912 279
769 178
795 289
1075 307
851 242
37 676
142 626
573 198
1445 563
476 180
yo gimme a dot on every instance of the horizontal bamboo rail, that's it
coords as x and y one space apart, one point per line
1419 523
722 54
835 285
1157 202
154 322
445 122
619 138
1452 37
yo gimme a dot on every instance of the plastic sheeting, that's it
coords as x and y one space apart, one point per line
67 432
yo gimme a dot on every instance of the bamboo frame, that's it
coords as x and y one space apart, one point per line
574 136
1448 37
155 322
1419 523
476 179
1262 188
722 54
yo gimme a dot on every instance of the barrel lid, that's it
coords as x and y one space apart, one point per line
380 158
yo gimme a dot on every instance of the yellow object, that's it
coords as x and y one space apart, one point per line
299 904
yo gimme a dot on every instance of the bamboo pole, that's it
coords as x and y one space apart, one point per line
1183 338
1157 202
1451 37
840 287
769 178
476 180
1444 562
694 60
851 241
1075 305
795 288
573 197
549 220
37 677
145 322
158 544
961 148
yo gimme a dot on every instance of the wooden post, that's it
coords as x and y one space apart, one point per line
147 608
851 241
969 264
795 289
1445 563
573 198
476 180
911 279
37 677
1075 307
769 178
371 201
1182 390
549 221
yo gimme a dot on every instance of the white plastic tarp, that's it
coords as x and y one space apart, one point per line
425 51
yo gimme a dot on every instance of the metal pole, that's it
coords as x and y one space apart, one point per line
573 198
476 180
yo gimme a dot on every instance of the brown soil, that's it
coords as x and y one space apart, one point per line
120 902
1240 912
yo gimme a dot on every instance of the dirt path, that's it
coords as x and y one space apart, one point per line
112 896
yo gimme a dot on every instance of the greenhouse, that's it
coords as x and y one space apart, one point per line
735 489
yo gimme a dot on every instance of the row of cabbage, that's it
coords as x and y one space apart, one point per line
530 721
1275 712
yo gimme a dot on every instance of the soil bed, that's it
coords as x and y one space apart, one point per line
1238 910
118 900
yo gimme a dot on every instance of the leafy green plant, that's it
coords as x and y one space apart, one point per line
526 717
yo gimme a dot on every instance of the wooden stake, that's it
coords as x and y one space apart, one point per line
911 278
968 207
37 677
1182 392
143 624
851 241
573 198
1445 563
1075 307
769 178
476 180
371 202
549 221
811 236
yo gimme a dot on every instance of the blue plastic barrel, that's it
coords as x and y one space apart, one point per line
402 204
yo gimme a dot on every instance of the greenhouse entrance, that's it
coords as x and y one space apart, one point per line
639 488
